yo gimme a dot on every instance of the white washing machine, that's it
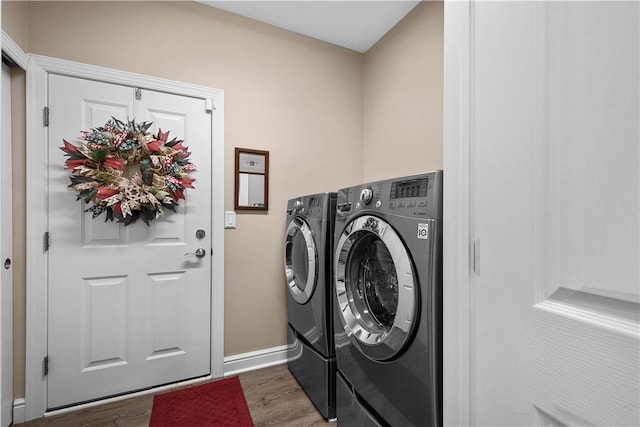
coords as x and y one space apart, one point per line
388 316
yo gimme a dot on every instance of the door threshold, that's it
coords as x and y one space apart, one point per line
125 396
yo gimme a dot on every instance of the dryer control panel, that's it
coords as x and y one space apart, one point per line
413 196
316 206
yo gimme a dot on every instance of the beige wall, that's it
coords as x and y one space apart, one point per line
299 98
403 82
14 21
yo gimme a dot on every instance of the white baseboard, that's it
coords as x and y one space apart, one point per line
18 411
255 360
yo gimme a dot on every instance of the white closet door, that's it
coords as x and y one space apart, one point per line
549 133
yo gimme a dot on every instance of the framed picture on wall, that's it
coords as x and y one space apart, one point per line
251 179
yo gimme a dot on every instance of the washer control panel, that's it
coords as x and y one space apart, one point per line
413 196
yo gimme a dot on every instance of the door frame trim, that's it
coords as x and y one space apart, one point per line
19 57
39 67
458 274
14 51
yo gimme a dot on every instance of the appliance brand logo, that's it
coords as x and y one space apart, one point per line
423 231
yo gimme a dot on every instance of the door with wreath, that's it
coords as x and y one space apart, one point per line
128 298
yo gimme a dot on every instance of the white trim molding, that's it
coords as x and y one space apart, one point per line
457 256
36 314
14 52
251 361
19 57
18 411
39 67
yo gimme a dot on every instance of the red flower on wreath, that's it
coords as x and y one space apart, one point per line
155 145
105 193
113 163
74 163
69 148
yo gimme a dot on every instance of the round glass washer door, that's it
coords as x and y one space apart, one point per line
300 260
375 286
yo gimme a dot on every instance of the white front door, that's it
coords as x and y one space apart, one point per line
542 321
128 306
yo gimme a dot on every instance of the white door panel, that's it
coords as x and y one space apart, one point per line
128 309
592 149
190 122
586 324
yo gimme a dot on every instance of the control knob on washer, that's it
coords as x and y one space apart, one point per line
366 195
298 207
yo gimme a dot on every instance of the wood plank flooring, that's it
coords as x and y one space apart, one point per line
273 396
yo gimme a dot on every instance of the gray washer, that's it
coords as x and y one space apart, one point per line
388 310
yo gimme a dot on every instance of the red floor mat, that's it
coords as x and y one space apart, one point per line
219 403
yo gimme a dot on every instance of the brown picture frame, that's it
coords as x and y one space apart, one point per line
251 191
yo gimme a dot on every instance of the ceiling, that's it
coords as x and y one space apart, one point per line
353 24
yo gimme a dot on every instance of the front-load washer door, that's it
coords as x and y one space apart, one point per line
376 288
300 260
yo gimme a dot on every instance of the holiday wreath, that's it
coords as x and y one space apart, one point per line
128 172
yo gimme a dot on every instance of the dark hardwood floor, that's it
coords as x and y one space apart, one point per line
273 396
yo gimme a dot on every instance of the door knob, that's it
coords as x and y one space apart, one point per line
200 252
7 263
